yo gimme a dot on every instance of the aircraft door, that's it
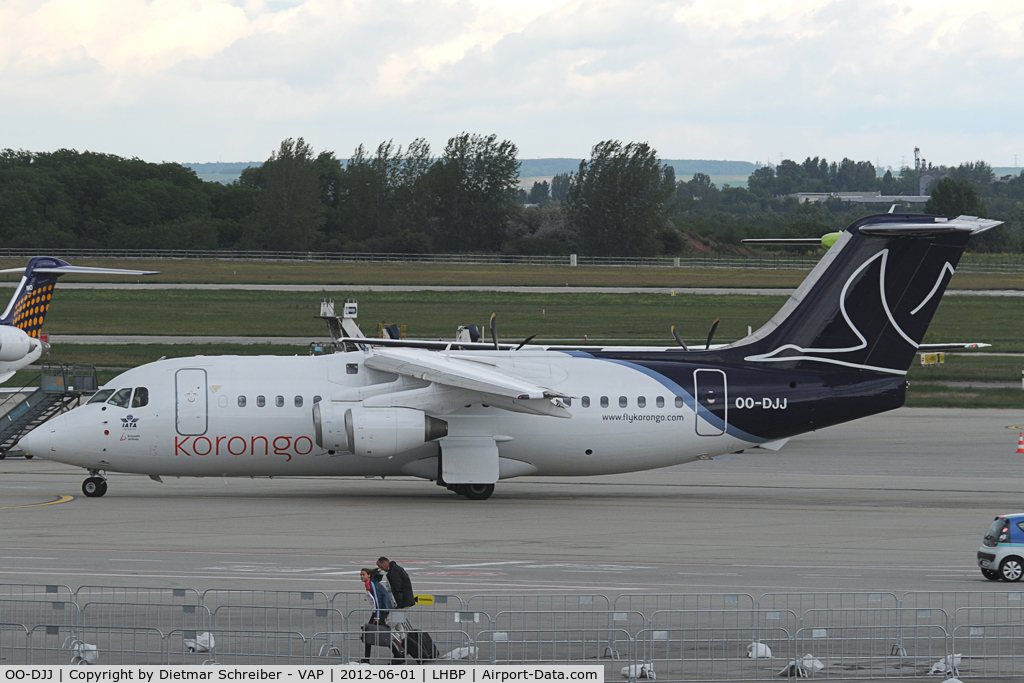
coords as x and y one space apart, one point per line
712 396
190 401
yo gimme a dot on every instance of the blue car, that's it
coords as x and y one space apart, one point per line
1001 555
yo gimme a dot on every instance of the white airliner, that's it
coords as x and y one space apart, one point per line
21 321
467 415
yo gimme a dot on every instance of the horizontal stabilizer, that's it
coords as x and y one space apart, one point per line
953 345
785 241
968 224
83 270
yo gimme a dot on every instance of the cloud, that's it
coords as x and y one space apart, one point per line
202 79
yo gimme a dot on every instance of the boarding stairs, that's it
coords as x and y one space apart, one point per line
60 386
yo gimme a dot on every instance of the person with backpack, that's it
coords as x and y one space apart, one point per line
376 631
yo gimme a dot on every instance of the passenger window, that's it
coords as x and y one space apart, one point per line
260 401
679 401
623 402
298 401
140 398
316 399
279 401
241 401
567 401
585 401
660 401
641 402
120 399
101 396
222 401
352 368
604 401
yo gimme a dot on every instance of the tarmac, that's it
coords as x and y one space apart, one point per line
895 502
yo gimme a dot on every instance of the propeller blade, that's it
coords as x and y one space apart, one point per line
526 341
711 334
494 330
679 340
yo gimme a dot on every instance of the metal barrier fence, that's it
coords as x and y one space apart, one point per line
989 651
263 598
137 594
162 617
653 602
868 651
681 636
495 603
30 591
971 263
14 641
713 653
33 613
303 620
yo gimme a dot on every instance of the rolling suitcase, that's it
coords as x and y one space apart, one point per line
420 646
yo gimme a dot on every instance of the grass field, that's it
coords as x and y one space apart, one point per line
339 274
563 318
643 318
939 397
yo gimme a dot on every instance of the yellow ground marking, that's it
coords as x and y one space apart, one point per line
60 499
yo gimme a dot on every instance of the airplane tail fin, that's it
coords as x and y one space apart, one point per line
27 308
869 301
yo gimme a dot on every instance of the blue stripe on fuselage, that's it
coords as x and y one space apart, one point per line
674 387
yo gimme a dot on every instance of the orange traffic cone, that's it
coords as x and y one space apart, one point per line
1020 443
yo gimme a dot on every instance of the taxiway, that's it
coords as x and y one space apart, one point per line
895 502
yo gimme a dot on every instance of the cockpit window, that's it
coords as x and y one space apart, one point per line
140 397
120 399
101 396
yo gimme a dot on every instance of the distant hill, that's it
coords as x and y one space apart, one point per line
550 167
734 173
217 172
1001 171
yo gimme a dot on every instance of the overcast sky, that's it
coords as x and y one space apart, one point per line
221 80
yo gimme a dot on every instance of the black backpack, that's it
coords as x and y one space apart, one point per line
420 646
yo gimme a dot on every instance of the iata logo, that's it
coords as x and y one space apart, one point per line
129 422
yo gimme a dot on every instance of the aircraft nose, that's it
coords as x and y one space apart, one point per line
39 441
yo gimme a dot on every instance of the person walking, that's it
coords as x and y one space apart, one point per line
377 631
398 579
401 591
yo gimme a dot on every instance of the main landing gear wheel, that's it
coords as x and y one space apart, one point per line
990 574
94 487
1011 569
477 491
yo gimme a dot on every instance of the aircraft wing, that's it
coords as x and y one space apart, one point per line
452 372
426 344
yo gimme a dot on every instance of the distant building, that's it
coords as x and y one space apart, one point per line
859 197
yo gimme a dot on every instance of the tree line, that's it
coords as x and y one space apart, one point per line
622 201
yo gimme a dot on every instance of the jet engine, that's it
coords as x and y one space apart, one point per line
14 344
374 432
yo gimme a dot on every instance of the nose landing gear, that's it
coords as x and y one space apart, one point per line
95 486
